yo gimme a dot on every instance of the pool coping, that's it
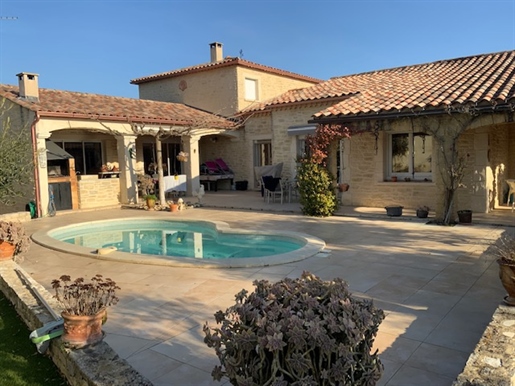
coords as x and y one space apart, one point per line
313 246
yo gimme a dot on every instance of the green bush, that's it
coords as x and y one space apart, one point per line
297 332
317 195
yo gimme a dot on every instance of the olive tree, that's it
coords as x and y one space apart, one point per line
16 157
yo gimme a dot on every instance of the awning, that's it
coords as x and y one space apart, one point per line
54 152
302 129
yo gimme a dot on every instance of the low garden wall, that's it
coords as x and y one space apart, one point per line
93 366
493 359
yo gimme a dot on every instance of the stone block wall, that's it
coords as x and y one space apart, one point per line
493 359
93 366
97 192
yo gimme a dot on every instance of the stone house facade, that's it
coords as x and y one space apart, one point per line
384 109
95 131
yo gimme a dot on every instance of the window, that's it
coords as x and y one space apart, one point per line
302 147
410 155
88 156
171 165
251 91
262 153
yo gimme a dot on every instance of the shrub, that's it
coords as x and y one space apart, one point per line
317 195
297 331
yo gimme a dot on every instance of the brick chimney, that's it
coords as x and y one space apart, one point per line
216 52
28 84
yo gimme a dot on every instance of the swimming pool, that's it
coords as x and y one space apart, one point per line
179 243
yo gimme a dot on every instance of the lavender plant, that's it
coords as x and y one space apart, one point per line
79 297
297 332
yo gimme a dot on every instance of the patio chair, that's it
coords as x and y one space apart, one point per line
223 166
511 184
210 167
272 188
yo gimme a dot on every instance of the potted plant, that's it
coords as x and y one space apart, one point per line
13 239
174 206
465 216
84 308
394 210
422 211
151 201
504 250
182 156
343 187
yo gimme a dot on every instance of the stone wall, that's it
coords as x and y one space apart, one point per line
97 192
92 366
493 359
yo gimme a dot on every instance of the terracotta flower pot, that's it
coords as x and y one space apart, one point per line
82 330
6 250
174 207
343 187
507 276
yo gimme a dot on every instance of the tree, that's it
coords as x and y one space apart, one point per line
452 163
16 159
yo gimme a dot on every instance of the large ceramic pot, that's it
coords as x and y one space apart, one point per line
394 210
422 213
507 276
82 330
6 250
151 203
465 216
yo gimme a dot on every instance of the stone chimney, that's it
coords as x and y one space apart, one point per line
216 52
28 84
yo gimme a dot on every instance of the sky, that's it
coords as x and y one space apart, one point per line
98 46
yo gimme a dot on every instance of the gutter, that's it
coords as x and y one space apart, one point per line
35 162
399 114
119 119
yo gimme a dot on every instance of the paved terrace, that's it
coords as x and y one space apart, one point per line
436 285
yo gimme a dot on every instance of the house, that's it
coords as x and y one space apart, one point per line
97 130
402 122
226 86
415 124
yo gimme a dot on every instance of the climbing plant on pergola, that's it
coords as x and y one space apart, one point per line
316 184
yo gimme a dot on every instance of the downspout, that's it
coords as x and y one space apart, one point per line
35 162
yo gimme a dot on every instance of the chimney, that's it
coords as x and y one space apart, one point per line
216 52
28 84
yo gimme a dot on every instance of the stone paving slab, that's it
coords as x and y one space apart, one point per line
433 283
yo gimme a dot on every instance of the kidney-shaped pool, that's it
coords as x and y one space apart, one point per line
179 243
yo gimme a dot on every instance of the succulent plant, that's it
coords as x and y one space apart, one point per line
14 232
301 331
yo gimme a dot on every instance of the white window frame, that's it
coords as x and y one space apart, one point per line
251 89
416 176
257 152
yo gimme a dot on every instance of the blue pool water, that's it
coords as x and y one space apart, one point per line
195 239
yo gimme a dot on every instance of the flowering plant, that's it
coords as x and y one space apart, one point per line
79 297
182 156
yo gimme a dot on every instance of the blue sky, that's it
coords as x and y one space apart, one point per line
99 46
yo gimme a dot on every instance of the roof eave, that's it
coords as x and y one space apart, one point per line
411 113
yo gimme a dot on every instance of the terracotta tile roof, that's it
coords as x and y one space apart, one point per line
482 80
229 61
95 106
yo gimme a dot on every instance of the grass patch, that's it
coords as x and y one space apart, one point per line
20 363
